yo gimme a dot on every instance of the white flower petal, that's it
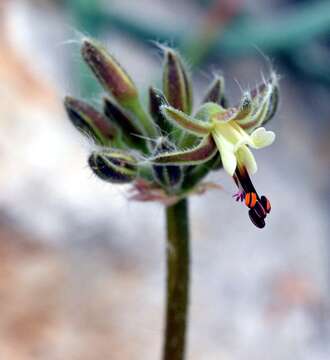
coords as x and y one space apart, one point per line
246 158
262 138
229 161
226 150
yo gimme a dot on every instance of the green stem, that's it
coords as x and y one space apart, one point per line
145 120
177 280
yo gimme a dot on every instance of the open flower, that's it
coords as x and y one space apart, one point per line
231 132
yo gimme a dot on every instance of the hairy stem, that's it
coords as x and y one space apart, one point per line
177 280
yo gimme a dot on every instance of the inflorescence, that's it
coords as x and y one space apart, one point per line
166 151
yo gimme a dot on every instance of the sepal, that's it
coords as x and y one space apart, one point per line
216 92
176 82
171 176
186 122
107 70
113 166
156 100
203 152
89 121
272 104
130 130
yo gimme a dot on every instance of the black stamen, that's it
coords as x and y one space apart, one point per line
242 176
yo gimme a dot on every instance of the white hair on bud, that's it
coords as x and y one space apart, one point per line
145 137
240 86
164 48
161 49
176 130
272 78
77 39
275 77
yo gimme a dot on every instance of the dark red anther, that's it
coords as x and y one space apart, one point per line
259 209
258 221
266 204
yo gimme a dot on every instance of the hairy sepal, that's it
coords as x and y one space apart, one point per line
156 100
201 153
113 166
186 122
170 177
216 92
176 82
90 122
131 132
108 71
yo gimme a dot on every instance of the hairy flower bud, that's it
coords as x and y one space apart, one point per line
113 166
168 176
130 130
216 92
89 121
110 74
176 82
116 81
156 101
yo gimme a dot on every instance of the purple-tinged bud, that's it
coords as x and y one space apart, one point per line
272 104
156 100
170 176
89 121
216 92
117 82
258 90
176 82
113 166
110 74
130 130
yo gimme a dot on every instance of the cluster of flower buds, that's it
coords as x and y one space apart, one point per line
165 151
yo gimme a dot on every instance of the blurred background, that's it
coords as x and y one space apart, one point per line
82 267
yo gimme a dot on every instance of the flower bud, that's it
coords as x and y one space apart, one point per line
116 81
245 108
113 166
176 82
273 104
156 100
110 74
169 176
131 132
89 121
216 92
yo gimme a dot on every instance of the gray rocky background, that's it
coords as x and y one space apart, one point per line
82 268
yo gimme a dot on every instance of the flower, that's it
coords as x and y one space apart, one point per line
230 131
232 143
